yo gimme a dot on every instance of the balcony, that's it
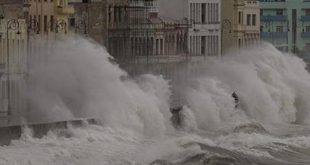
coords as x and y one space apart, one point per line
274 34
279 18
305 18
273 4
65 10
305 34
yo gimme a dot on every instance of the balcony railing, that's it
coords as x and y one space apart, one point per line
305 18
266 18
65 10
274 34
305 34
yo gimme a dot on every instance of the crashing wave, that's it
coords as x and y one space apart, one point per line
250 128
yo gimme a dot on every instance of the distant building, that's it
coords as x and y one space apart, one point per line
48 20
204 36
240 24
48 17
13 59
136 32
286 24
90 19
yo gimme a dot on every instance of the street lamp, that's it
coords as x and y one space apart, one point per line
12 24
61 25
33 25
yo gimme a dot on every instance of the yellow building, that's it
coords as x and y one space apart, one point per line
47 17
48 20
240 25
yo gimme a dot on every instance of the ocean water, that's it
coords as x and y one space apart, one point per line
270 126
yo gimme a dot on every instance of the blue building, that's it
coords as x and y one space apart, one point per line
286 24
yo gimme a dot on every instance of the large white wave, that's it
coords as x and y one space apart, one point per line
79 80
273 87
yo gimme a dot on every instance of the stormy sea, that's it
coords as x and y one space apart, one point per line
269 126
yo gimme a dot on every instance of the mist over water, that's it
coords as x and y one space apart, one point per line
79 80
273 87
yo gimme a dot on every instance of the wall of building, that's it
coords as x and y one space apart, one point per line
205 33
286 24
13 60
173 9
252 23
89 20
240 24
204 36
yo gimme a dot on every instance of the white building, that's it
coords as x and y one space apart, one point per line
13 44
205 35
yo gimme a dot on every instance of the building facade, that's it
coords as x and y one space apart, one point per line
204 36
240 24
13 60
286 24
89 19
136 32
48 20
48 17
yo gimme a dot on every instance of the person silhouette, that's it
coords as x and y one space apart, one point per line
236 98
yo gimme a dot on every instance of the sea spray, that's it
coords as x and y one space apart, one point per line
79 80
272 87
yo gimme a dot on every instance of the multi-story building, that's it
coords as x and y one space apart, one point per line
240 24
204 36
89 19
136 31
13 59
286 24
48 17
48 20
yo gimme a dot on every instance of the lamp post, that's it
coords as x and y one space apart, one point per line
226 25
61 25
12 24
33 26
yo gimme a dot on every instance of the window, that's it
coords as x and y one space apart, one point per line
279 29
203 13
307 46
240 17
115 14
45 23
307 11
279 12
307 28
248 19
110 14
203 45
72 22
52 23
39 22
254 19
